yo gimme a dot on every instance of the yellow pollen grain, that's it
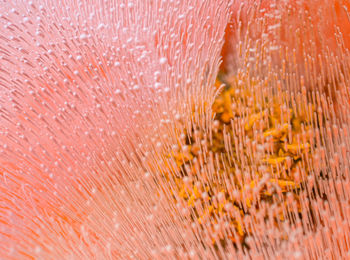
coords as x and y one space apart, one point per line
247 132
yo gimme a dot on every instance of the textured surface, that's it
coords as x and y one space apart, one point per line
116 142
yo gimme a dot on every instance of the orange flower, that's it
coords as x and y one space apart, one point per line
119 139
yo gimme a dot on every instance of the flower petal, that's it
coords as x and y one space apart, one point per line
85 87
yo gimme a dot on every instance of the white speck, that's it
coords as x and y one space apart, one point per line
83 36
100 26
163 60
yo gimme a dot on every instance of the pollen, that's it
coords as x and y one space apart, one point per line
152 129
257 156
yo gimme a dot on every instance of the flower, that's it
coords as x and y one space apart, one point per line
116 142
87 93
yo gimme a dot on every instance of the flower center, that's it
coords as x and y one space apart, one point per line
254 165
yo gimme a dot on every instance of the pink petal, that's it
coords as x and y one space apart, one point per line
86 87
